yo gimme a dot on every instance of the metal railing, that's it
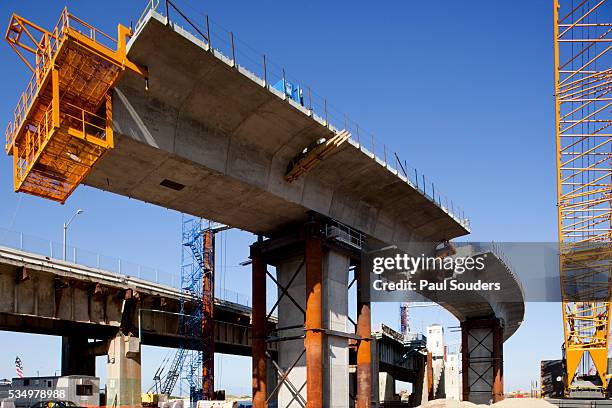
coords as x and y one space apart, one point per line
257 66
343 233
35 137
53 250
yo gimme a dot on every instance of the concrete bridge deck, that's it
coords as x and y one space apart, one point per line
211 139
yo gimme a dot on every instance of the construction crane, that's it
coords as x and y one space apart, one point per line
173 373
404 309
404 319
583 79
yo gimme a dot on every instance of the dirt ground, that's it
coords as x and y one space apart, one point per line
508 403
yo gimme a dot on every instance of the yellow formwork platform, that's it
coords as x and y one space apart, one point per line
62 124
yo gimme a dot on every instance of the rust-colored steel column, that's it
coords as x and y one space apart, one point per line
465 362
364 345
258 330
314 321
208 320
430 389
498 362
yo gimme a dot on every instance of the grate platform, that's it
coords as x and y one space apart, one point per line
62 124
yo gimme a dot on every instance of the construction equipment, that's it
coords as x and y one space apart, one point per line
404 319
583 74
174 372
62 124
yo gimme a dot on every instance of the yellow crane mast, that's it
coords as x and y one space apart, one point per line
583 102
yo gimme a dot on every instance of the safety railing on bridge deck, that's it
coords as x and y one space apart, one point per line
275 78
54 250
497 249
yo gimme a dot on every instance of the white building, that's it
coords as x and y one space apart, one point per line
452 379
435 346
435 340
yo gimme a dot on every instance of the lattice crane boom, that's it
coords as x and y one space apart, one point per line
583 83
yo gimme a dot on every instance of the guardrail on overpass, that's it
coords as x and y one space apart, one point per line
53 250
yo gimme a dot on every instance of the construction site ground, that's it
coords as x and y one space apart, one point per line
508 403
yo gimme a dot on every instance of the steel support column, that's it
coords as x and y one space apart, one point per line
498 366
430 377
76 356
364 345
208 321
259 328
314 321
482 360
465 366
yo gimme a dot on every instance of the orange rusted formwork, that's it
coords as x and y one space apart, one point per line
62 124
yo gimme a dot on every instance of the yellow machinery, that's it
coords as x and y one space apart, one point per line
62 124
583 86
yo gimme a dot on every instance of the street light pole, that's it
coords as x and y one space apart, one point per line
66 224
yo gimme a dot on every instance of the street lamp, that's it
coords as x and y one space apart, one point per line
66 224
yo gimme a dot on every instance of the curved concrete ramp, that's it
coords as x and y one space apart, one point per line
509 308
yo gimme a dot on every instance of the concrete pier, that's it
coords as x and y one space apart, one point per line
123 372
313 332
482 360
333 352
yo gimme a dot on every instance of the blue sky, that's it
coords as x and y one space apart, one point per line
462 90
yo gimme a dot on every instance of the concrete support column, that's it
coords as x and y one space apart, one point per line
314 322
123 372
386 386
76 356
336 326
482 360
259 329
313 353
291 353
364 346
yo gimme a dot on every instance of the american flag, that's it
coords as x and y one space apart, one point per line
18 367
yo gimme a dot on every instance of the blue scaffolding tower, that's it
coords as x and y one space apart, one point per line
197 278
